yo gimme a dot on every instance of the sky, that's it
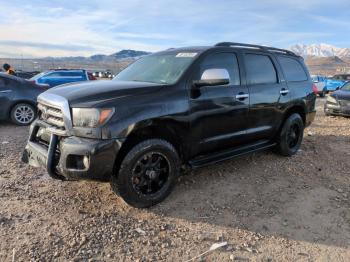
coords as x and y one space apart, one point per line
40 28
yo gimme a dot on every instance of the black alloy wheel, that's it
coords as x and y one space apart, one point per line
150 173
291 135
147 173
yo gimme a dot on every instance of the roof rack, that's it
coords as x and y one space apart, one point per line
265 48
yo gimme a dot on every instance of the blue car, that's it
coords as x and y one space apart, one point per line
337 81
62 76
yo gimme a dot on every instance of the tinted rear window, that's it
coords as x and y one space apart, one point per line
260 69
292 69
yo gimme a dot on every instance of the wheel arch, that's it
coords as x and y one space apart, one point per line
16 102
298 109
167 130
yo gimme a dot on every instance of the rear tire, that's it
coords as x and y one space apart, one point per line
147 174
291 135
23 114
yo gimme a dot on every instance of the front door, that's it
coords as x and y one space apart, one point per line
219 113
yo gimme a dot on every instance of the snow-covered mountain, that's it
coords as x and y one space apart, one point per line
320 50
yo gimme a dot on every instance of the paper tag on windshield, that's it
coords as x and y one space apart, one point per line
186 54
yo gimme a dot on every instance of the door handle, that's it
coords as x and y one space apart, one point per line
284 92
6 91
242 96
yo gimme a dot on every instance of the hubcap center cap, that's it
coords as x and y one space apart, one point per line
151 174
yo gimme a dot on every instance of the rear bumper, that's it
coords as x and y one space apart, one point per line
309 118
72 157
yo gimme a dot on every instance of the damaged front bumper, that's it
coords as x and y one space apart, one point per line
70 157
337 109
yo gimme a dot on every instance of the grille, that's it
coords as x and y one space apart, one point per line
51 115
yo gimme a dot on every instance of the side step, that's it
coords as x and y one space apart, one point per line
209 159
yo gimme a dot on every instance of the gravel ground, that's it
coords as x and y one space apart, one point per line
266 207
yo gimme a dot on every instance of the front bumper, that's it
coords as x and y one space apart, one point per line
336 109
72 157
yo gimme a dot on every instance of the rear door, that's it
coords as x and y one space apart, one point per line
7 88
296 76
218 116
268 95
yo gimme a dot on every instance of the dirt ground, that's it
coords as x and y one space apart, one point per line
266 207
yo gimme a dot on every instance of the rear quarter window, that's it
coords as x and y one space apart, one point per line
292 69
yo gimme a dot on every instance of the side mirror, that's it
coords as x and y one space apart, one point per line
213 77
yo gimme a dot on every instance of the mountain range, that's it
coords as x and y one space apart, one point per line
312 50
320 50
120 56
123 54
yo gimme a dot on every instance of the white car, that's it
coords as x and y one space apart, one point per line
320 83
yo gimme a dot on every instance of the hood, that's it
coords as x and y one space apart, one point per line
342 95
91 93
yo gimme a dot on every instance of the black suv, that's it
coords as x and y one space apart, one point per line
180 108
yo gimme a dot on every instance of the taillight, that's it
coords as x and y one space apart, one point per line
314 88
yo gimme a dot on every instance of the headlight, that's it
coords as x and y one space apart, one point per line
91 117
332 100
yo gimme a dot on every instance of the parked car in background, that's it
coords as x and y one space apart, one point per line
18 99
338 103
109 74
61 76
320 83
186 107
99 74
103 74
91 76
337 81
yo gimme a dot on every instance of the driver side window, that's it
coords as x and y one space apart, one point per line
226 61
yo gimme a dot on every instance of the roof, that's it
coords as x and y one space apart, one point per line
201 49
259 47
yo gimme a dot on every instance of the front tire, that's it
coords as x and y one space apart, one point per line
291 135
147 174
23 114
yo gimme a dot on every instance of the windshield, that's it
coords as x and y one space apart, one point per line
162 68
346 87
